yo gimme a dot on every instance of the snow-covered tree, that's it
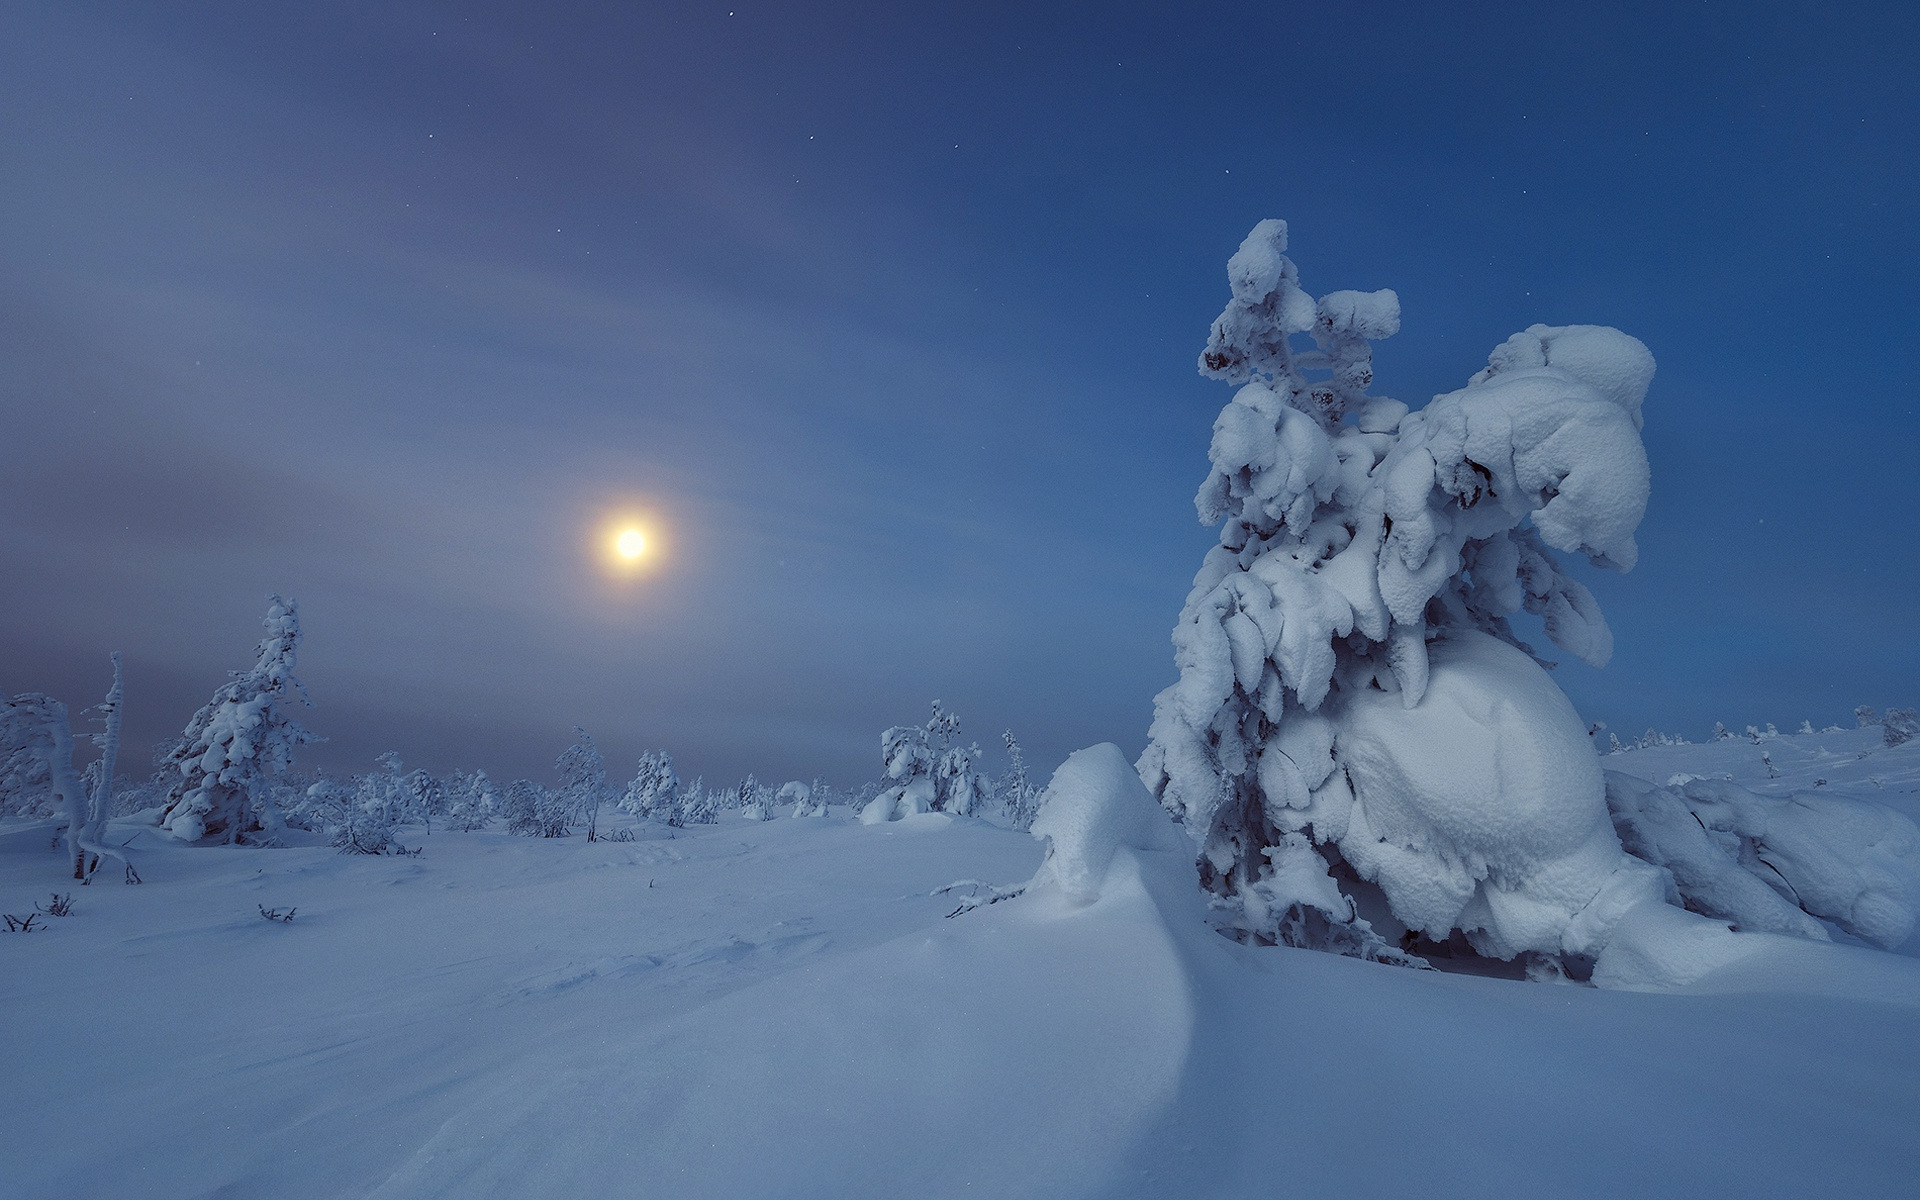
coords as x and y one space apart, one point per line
583 781
535 811
654 787
801 799
26 785
931 770
239 743
1019 798
1353 704
38 750
474 803
696 805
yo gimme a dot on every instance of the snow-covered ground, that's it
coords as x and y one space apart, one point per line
782 1008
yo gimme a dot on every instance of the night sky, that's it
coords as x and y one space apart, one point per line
886 317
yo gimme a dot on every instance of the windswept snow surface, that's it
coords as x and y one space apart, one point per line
781 1008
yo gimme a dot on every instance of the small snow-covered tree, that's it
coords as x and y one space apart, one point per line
239 743
39 746
535 811
474 803
583 781
931 770
1019 798
652 790
696 805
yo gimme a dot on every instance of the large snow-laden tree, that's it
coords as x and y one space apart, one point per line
1353 704
240 742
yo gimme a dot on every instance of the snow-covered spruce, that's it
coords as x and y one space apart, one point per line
1355 719
1353 704
240 743
653 790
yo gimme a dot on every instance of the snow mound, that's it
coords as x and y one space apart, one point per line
1777 862
1483 808
900 802
1094 807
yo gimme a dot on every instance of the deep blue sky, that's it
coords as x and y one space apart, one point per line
889 314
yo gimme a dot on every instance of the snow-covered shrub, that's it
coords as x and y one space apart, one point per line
242 740
1899 725
931 771
653 789
1353 705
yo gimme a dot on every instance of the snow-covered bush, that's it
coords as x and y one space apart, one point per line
653 789
1353 705
239 743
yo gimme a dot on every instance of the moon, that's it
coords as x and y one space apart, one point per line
631 543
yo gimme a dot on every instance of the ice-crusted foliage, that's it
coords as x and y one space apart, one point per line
1774 863
653 789
1357 537
240 742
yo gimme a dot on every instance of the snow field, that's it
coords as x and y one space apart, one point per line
787 1012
